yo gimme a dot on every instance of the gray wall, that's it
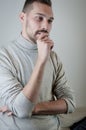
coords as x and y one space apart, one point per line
68 33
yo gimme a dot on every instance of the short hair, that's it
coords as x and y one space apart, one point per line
29 2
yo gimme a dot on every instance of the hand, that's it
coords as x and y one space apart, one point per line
4 109
45 44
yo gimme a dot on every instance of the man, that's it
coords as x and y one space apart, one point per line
33 86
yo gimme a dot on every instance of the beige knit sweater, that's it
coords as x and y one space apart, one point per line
16 65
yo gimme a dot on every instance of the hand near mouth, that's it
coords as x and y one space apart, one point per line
45 44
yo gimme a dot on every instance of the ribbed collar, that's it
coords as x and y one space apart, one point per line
26 44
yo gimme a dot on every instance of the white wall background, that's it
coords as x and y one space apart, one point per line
69 34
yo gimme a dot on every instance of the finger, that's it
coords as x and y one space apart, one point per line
0 110
42 36
9 113
46 38
4 109
49 42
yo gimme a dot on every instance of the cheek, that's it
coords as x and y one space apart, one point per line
50 27
32 26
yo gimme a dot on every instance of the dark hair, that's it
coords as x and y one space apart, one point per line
29 2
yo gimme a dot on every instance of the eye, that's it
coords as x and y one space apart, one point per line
39 18
50 21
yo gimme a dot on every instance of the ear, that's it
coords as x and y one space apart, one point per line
22 17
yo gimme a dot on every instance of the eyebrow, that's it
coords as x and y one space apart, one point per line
44 15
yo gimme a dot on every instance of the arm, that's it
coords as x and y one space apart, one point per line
64 102
20 100
50 108
31 90
61 88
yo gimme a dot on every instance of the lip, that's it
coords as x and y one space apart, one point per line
41 33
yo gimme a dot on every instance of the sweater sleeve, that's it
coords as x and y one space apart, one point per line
11 89
60 88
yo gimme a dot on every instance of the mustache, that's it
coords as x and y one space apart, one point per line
40 31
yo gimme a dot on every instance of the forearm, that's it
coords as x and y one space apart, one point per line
24 102
31 90
50 108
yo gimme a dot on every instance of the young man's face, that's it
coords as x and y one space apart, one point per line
36 20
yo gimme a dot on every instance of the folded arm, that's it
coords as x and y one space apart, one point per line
50 108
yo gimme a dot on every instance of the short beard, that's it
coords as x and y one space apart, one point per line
32 40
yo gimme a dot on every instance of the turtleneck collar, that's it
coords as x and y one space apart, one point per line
26 44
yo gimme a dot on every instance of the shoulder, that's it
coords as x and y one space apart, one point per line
5 51
8 49
6 55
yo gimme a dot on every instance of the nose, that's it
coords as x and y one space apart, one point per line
45 25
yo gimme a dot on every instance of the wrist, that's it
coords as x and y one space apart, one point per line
41 62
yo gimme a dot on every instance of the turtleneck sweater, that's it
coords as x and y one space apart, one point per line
17 61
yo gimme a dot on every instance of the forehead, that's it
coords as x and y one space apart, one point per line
41 8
